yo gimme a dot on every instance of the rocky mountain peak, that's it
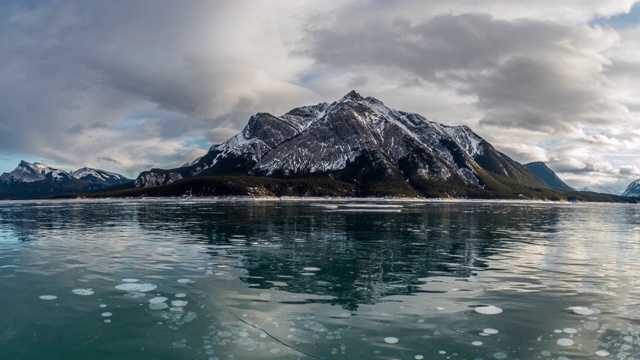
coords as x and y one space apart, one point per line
351 96
355 139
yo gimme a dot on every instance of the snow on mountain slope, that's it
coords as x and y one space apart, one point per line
27 173
99 176
37 179
326 138
330 138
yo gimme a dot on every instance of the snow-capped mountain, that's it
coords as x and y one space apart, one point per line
37 179
602 189
28 173
357 140
633 190
100 177
544 173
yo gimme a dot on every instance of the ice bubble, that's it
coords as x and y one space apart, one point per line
476 343
545 353
591 325
488 310
190 316
157 300
158 306
570 330
102 305
128 287
557 331
391 340
442 352
135 295
490 331
107 320
146 287
129 280
564 342
184 281
180 295
274 350
602 353
582 310
418 357
106 314
218 274
48 297
176 309
311 269
179 303
626 347
307 274
439 308
500 355
83 292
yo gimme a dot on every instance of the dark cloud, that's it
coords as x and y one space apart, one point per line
76 129
106 159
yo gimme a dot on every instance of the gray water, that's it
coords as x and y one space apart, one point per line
205 279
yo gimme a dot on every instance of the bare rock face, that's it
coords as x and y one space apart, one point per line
352 139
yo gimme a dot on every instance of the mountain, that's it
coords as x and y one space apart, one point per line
548 176
99 177
360 141
633 190
602 189
29 180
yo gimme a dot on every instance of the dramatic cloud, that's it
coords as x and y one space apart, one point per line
136 81
130 85
527 74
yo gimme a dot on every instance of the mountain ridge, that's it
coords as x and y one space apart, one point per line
361 141
40 180
548 176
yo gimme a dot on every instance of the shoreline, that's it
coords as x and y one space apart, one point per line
310 200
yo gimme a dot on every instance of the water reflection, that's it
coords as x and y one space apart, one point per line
363 257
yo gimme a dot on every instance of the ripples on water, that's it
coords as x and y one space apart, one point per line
207 279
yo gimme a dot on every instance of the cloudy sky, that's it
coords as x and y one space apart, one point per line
129 85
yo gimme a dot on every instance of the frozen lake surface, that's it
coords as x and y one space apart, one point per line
206 279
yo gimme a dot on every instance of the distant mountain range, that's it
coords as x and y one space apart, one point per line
603 189
29 180
355 146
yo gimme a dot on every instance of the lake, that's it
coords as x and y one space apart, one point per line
223 279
